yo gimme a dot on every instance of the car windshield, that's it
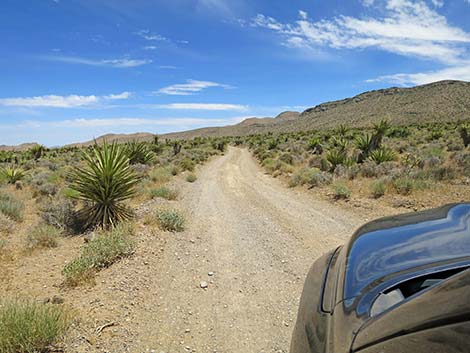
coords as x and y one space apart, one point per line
379 253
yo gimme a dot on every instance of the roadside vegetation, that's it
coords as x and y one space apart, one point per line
48 197
378 162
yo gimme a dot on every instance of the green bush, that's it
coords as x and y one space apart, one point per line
191 178
336 157
170 220
30 327
341 192
187 164
378 189
11 207
405 185
102 251
164 193
43 236
104 184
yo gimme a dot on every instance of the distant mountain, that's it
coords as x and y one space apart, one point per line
119 138
22 147
443 101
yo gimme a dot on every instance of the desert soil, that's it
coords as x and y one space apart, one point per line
248 237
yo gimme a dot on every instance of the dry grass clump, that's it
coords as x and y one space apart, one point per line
30 327
170 220
6 225
106 248
43 236
164 192
160 175
11 207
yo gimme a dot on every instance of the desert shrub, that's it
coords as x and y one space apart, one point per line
170 220
6 224
187 164
315 177
443 173
382 155
60 213
287 158
341 191
30 327
406 185
43 236
191 178
104 184
164 193
47 189
378 188
11 207
160 175
106 248
346 172
174 169
12 174
434 134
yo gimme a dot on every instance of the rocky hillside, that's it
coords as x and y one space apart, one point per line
439 101
436 102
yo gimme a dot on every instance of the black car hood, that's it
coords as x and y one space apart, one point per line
406 243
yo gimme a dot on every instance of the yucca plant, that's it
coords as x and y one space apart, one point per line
464 130
105 182
37 151
336 157
138 152
382 155
12 174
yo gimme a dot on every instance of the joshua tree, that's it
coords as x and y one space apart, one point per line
465 134
176 148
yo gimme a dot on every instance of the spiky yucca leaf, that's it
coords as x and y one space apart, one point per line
105 182
12 174
382 155
138 152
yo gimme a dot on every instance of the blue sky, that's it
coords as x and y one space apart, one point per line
71 70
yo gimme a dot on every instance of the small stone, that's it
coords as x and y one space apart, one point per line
203 284
210 274
57 300
187 330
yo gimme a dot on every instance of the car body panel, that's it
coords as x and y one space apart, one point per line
379 255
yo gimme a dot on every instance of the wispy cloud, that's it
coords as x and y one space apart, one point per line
117 63
113 122
55 101
450 73
408 28
147 35
189 88
204 106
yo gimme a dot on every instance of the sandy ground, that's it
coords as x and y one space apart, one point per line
251 239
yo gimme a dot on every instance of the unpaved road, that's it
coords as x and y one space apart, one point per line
256 237
259 240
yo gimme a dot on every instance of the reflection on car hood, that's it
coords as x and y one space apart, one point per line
404 242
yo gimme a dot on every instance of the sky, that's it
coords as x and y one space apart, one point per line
71 70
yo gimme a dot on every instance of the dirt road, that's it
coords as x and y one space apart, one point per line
252 240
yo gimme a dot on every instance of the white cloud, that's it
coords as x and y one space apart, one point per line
146 34
117 63
408 28
450 73
204 106
150 47
113 122
123 95
55 101
167 67
189 88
